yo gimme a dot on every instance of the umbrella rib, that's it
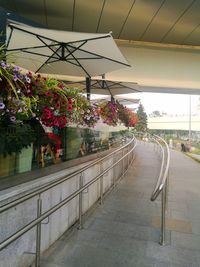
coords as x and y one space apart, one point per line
96 85
116 83
75 49
18 28
99 83
26 48
64 61
84 58
49 46
38 54
10 37
108 89
79 64
46 61
110 59
122 86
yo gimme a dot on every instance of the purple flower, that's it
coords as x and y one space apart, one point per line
15 78
13 111
3 64
2 105
16 68
12 118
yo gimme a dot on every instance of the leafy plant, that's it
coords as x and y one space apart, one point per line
15 137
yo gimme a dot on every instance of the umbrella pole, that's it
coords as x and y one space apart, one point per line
88 86
112 99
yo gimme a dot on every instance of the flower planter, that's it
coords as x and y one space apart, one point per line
7 165
72 142
24 160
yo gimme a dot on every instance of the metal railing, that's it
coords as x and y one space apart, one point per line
129 147
162 182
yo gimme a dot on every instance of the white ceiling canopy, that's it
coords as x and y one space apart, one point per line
61 52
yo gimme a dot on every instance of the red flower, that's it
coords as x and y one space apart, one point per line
60 86
69 108
70 102
47 93
55 96
46 110
58 105
62 121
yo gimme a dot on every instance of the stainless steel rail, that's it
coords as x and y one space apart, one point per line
61 179
162 183
41 216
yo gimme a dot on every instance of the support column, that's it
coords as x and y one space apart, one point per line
88 86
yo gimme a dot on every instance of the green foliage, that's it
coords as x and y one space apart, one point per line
14 137
141 125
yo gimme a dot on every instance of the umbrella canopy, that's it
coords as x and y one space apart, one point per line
106 87
65 53
120 99
127 101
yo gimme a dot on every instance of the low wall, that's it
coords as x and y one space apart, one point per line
21 253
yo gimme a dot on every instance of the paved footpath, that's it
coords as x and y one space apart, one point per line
124 231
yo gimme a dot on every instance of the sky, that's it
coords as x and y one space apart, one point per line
172 104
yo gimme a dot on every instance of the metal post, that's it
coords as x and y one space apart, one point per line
101 184
163 216
38 233
189 137
122 163
80 201
167 191
128 157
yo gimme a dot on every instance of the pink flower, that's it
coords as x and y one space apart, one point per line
56 122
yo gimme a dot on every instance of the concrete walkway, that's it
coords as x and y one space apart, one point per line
124 232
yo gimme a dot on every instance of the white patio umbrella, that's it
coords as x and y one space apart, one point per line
60 52
106 87
122 100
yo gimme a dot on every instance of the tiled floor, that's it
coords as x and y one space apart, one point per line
124 231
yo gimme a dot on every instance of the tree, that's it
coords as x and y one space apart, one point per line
155 113
141 125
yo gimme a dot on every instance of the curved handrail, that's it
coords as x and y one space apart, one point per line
162 184
163 170
40 218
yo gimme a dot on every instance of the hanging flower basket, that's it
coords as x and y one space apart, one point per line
108 112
